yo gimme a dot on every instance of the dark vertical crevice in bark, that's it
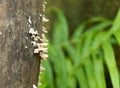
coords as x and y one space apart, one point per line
19 67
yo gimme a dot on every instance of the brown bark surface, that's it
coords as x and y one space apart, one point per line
19 67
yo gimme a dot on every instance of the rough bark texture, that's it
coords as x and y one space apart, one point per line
19 67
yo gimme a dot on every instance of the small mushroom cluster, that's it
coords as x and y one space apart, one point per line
38 43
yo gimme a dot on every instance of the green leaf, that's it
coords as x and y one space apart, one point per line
101 25
71 78
117 35
86 61
89 69
78 32
61 33
111 63
87 45
70 50
57 37
93 30
78 48
99 69
98 39
72 82
58 61
81 77
48 78
116 23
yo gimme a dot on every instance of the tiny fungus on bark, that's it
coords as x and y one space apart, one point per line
0 33
38 42
34 86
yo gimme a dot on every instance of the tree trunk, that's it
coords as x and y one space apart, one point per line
19 67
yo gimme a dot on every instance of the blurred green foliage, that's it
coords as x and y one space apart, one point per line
79 60
76 11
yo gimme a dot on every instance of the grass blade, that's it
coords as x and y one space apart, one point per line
61 33
111 64
99 69
103 23
116 23
70 50
71 72
89 69
47 80
58 61
88 65
117 35
81 77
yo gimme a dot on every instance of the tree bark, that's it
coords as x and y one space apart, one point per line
19 67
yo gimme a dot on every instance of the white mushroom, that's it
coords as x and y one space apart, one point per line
37 50
44 56
42 68
45 19
44 30
0 33
34 86
29 20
